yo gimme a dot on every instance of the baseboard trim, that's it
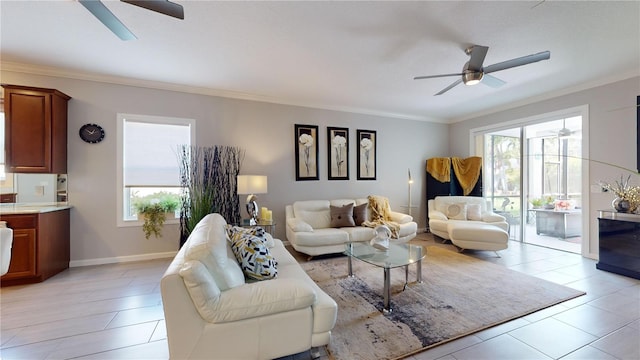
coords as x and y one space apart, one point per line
122 259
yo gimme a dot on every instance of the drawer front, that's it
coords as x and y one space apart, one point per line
20 221
7 198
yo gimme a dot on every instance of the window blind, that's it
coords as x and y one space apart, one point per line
151 153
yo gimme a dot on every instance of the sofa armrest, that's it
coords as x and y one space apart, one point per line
298 225
492 217
260 299
437 215
400 218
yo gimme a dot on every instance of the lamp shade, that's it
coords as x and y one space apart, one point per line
252 184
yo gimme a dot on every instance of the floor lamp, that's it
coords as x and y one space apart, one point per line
410 182
252 184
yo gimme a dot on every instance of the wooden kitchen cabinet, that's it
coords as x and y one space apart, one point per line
35 130
40 246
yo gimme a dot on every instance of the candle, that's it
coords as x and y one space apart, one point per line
269 215
263 213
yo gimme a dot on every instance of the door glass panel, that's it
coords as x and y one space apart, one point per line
520 181
502 155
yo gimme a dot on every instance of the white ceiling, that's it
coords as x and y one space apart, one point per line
353 56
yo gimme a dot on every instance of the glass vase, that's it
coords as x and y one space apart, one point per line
621 205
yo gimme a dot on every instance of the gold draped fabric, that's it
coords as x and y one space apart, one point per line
467 172
381 215
440 169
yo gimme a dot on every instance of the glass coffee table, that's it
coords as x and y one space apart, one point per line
396 256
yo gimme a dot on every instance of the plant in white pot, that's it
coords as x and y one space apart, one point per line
154 212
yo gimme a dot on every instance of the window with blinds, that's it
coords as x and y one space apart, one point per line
149 161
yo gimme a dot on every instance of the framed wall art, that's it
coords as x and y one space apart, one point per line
338 153
306 138
366 154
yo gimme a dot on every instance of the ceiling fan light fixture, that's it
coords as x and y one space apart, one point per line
472 78
564 133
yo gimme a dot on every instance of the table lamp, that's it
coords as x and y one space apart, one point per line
252 184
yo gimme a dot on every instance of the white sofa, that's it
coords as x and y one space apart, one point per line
309 228
211 312
468 222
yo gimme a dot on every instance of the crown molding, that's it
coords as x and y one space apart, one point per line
158 85
550 95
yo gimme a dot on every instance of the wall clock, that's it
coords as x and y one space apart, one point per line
91 133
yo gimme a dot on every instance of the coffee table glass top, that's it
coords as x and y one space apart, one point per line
397 255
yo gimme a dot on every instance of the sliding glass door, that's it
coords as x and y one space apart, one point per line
533 176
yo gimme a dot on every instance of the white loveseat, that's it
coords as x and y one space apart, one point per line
309 228
468 222
211 312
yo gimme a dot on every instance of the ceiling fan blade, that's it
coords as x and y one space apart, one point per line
161 6
455 83
435 76
107 18
492 81
545 55
477 54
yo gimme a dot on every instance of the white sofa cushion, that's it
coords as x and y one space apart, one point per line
314 212
260 299
208 244
443 202
359 233
201 286
298 225
328 236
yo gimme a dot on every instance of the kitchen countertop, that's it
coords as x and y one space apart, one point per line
16 209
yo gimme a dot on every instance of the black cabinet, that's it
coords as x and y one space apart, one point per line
620 245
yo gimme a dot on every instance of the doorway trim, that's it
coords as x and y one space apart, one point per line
587 249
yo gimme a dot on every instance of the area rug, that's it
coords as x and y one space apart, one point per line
459 295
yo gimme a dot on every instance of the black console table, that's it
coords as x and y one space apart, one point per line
619 243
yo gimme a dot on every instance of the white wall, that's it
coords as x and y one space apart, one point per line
612 136
265 131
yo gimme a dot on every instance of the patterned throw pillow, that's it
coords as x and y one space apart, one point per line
250 248
457 211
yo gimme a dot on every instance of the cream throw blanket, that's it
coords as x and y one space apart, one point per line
381 215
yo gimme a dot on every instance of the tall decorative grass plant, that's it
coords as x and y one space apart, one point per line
208 176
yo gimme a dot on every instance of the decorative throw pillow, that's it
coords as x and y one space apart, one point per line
457 211
473 212
360 214
341 216
253 255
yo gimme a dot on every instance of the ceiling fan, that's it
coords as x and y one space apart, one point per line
97 8
473 72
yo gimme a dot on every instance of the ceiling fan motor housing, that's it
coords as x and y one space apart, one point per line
471 77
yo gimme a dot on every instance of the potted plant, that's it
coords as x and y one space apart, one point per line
154 211
548 202
537 203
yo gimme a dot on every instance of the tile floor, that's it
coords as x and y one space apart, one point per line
115 312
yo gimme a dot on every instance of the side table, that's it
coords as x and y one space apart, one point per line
268 226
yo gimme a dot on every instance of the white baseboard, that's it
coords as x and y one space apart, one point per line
122 259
